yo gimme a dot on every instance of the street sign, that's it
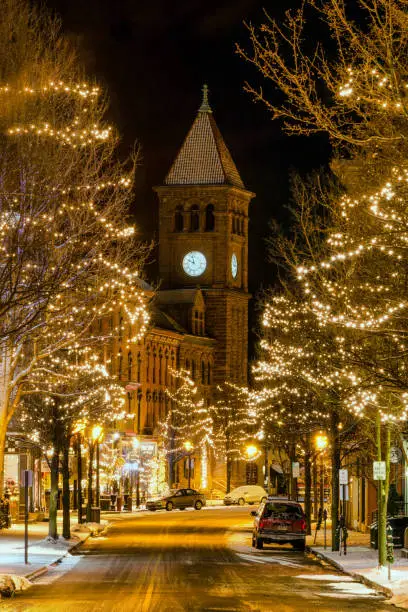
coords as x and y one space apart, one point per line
29 481
379 470
344 493
295 469
343 477
395 454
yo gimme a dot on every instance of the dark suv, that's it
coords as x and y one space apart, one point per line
279 522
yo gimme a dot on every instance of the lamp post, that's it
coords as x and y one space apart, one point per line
251 453
96 436
189 447
136 448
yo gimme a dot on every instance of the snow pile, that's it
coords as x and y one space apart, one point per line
90 527
10 583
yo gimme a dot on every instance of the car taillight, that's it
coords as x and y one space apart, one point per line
303 525
262 524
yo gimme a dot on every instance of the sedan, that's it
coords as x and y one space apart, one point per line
179 498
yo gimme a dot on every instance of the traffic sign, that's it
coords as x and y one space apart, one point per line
379 470
343 477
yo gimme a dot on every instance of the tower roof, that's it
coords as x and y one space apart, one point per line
204 158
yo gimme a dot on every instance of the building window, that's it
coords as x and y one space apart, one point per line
209 218
179 219
193 370
194 218
148 365
209 374
187 365
196 329
129 401
139 365
202 373
202 323
130 361
154 366
120 363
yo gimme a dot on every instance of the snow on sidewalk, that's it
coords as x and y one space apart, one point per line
15 574
361 562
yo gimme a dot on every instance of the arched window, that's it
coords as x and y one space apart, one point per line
194 218
179 219
187 365
139 365
209 374
241 226
120 363
202 373
154 366
209 218
130 361
193 370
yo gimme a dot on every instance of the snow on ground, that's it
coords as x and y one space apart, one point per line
10 583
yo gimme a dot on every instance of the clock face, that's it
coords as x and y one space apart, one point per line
194 263
234 265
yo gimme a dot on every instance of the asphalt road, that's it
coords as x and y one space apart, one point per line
190 561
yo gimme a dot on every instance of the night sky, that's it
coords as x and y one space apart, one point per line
153 57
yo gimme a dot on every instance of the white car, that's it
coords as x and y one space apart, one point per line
249 494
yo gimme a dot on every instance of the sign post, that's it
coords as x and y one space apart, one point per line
28 482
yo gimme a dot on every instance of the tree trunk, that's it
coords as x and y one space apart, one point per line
308 486
229 473
66 526
90 467
335 488
266 483
79 476
315 489
3 430
52 525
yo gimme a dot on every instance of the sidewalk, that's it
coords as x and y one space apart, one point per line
41 552
361 562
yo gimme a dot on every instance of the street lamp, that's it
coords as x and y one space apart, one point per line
136 446
251 451
189 447
96 436
321 443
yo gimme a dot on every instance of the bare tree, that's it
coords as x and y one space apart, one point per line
68 255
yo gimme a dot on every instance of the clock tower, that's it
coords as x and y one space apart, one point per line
203 239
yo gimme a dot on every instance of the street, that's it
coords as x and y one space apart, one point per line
190 560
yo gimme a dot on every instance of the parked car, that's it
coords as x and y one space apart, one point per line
178 498
249 494
279 521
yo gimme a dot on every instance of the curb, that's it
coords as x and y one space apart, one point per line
43 570
370 583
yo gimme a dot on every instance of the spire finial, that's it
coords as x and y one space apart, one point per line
205 107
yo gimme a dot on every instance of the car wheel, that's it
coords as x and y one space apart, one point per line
152 509
253 541
299 545
198 505
259 543
263 500
169 506
182 508
241 501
